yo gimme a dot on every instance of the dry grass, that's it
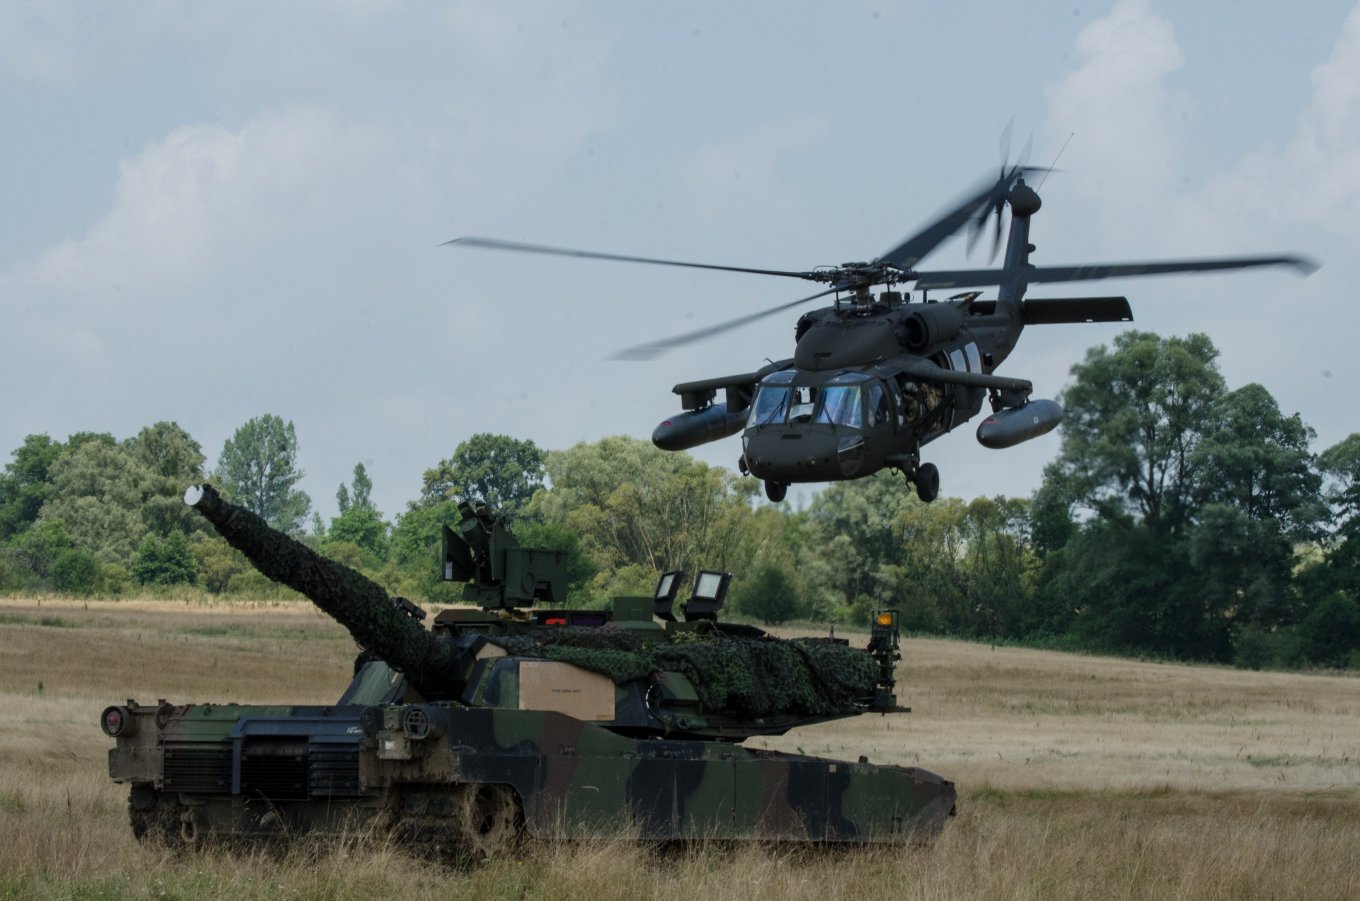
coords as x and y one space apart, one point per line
1079 777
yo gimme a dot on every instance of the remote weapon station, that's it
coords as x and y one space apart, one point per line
516 716
875 377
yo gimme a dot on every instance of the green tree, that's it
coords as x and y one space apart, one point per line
168 451
33 551
165 561
860 528
1341 464
500 470
1330 634
1200 497
414 548
1341 567
1132 587
258 470
217 562
1132 425
24 485
98 490
1255 459
174 461
1242 566
1258 496
636 505
359 521
75 571
770 594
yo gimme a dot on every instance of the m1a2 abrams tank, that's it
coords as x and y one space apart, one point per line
519 717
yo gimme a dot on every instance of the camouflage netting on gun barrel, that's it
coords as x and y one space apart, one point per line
747 676
356 602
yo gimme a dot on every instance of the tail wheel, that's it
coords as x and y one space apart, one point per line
486 820
927 482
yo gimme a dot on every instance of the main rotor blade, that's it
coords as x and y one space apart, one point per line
495 244
972 278
655 348
913 249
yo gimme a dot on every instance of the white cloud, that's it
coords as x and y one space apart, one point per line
1296 187
180 200
1118 101
1321 165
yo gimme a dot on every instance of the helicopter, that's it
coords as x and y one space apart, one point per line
876 376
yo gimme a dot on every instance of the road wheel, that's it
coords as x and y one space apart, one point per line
153 818
486 820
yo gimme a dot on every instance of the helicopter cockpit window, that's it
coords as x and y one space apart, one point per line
840 406
879 410
970 353
771 403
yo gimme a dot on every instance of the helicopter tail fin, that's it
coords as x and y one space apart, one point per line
1024 203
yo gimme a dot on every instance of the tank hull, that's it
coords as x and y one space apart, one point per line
468 780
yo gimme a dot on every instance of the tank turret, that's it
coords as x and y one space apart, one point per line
695 677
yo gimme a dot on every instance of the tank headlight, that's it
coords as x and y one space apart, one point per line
418 725
415 723
117 721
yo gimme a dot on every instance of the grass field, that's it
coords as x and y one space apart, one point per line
1078 777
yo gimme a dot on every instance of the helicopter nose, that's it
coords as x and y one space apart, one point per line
787 455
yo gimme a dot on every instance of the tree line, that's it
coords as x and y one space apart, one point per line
1181 519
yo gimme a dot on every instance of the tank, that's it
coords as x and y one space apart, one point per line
515 716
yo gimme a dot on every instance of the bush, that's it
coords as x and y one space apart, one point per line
116 579
857 613
218 562
1331 631
769 595
346 553
165 561
74 571
1256 647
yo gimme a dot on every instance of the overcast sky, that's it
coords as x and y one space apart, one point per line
215 211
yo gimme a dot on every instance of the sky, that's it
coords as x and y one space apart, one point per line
217 211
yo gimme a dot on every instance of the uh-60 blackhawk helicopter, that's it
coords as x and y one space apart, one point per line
874 377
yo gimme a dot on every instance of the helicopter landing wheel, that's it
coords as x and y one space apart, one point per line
775 491
927 481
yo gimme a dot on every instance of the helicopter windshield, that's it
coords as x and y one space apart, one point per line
772 402
840 406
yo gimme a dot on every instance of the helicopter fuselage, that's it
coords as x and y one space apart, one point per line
855 400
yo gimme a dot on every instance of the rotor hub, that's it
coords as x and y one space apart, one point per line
1024 200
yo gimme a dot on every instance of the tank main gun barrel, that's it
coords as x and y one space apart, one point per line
377 622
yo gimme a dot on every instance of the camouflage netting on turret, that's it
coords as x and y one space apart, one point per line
355 601
746 676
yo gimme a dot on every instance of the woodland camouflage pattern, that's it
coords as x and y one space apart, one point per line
496 724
